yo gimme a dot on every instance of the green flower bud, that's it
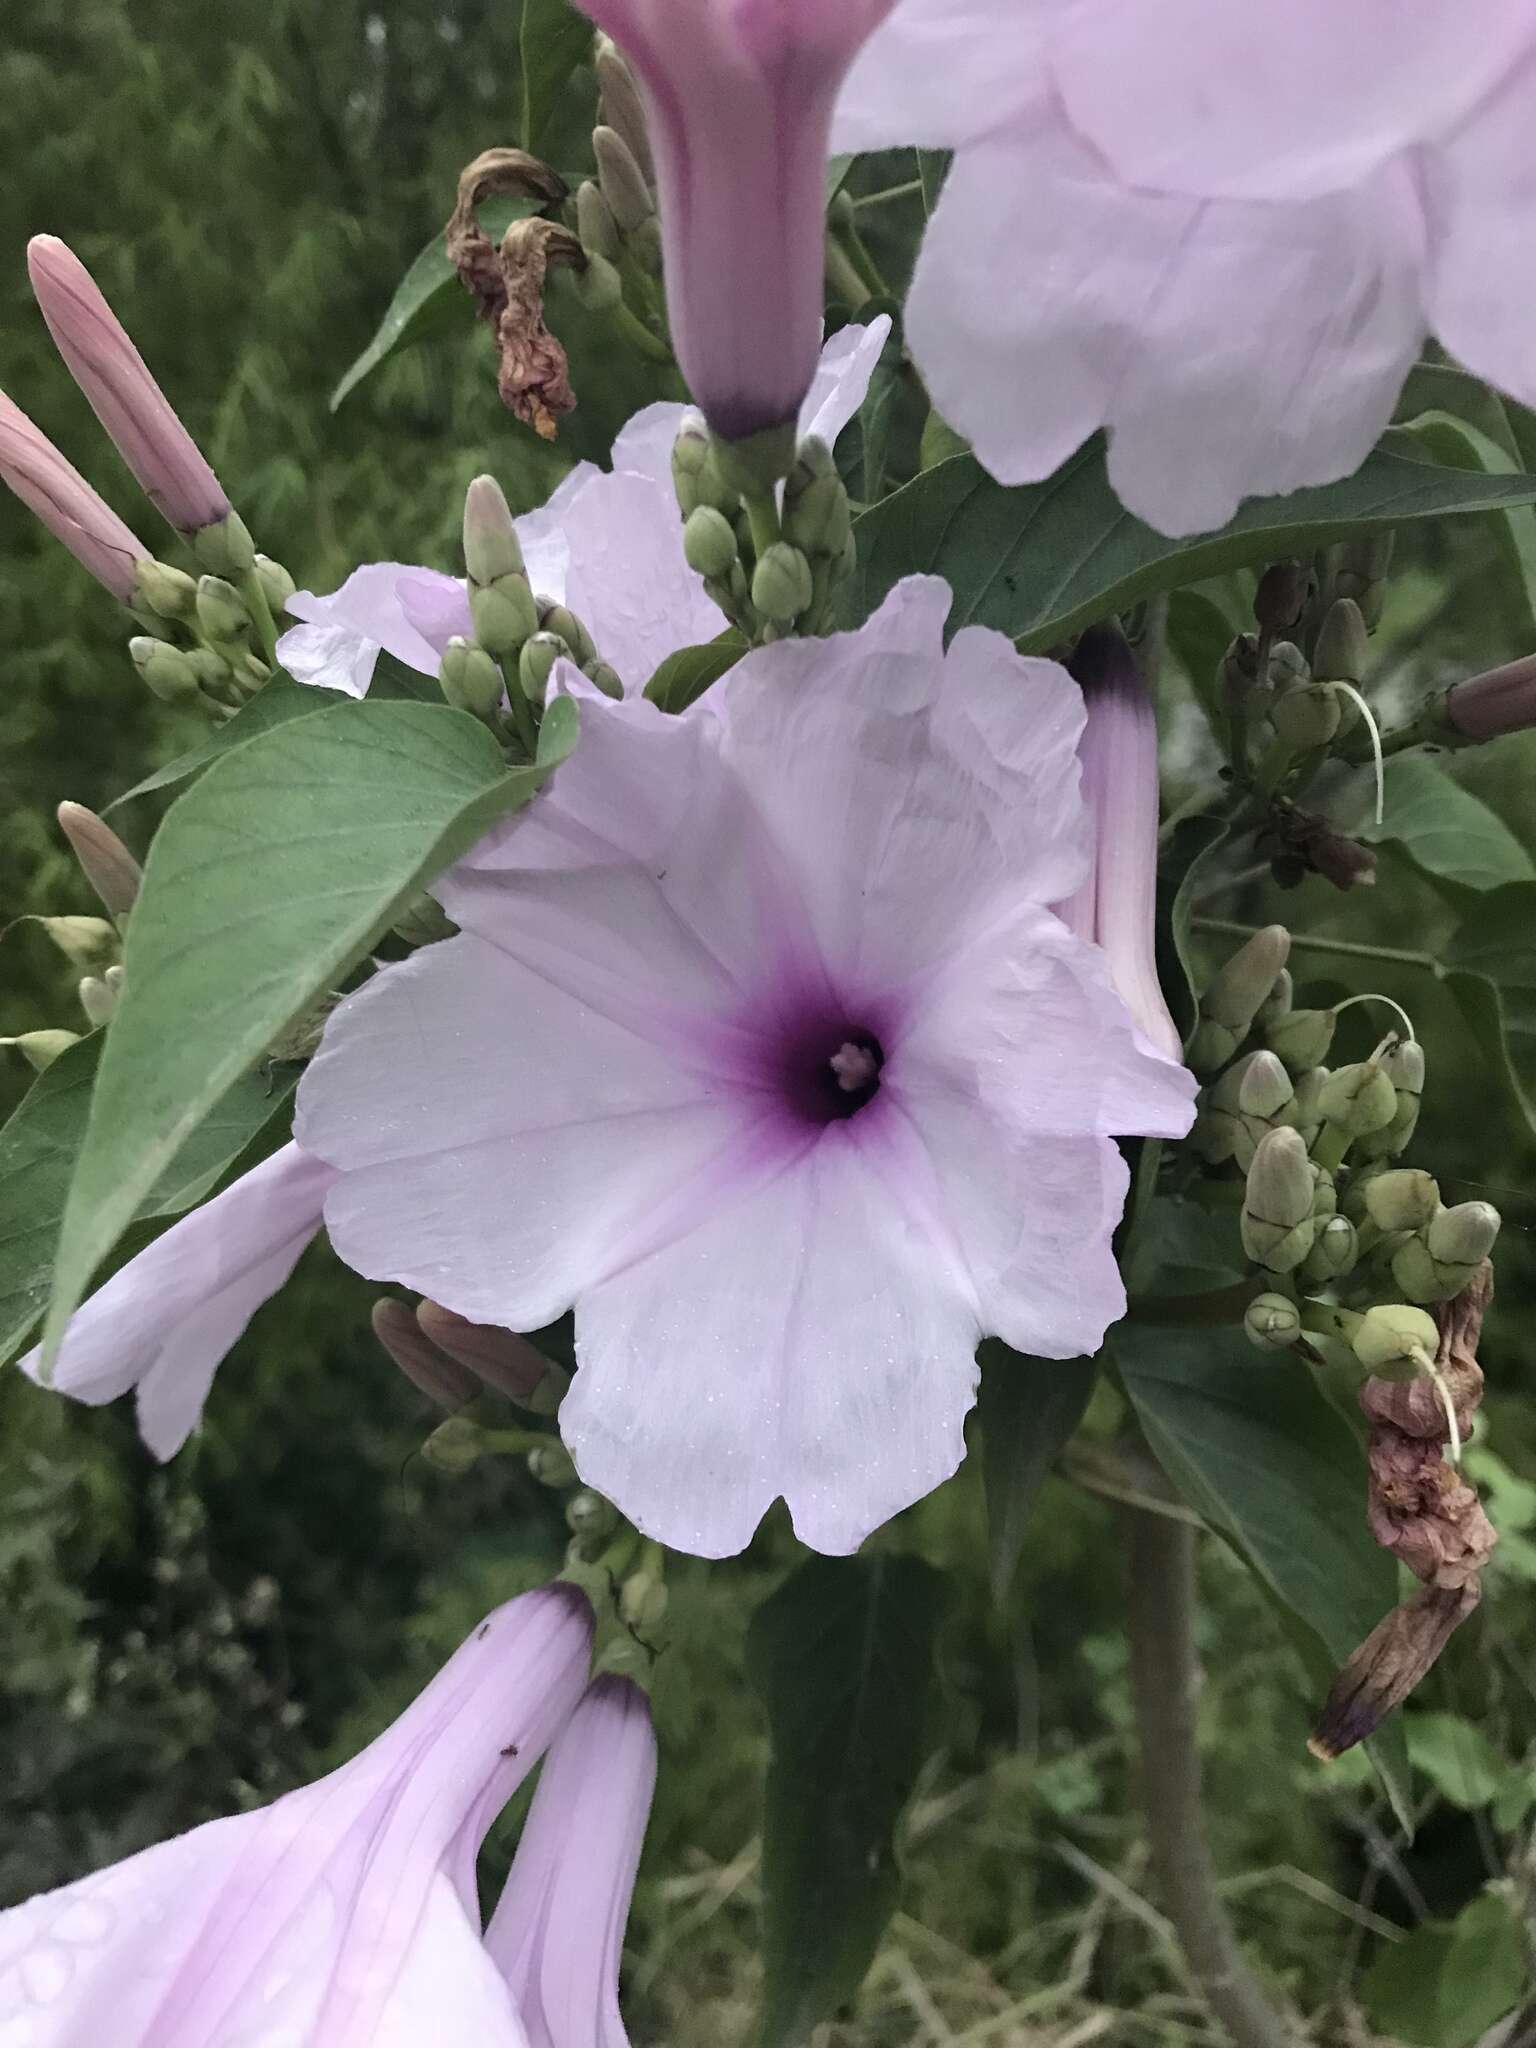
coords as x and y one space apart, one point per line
606 677
105 862
1287 667
623 182
491 547
470 678
221 609
551 1465
1265 1088
1342 655
709 542
1281 596
87 943
505 614
1302 1039
1272 1322
1404 1198
276 584
1395 1340
782 587
169 592
1358 1098
423 923
564 624
643 1602
1334 1252
536 664
1277 1221
1418 1275
1358 569
455 1445
167 671
1403 1065
1277 1003
1325 1193
1463 1236
819 521
595 224
1306 1110
645 247
692 469
590 1517
1235 996
622 107
98 1001
598 285
225 548
41 1048
1307 715
1214 1136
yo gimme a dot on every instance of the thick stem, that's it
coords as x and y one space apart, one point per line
1165 1682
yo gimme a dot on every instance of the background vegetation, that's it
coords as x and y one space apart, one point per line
248 186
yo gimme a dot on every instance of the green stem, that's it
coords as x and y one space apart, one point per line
763 517
521 711
843 279
1348 949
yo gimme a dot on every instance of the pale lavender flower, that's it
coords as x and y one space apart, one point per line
557 1934
124 396
609 543
55 490
163 1322
1116 907
739 95
807 1089
1220 232
342 1916
1502 700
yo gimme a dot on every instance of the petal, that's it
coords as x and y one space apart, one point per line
541 535
988 53
557 1933
381 604
328 657
1482 190
644 444
913 790
1204 97
1230 348
166 1319
629 580
809 1341
841 382
526 1147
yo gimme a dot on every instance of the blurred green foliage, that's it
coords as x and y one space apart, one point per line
249 186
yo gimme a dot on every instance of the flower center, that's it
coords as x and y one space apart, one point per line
831 1072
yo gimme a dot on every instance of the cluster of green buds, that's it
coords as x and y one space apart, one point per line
772 561
1330 1220
91 945
615 216
501 673
210 641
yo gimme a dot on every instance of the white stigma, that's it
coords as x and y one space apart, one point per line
855 1067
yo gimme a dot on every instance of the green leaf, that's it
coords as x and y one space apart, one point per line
1460 419
1463 1765
1450 1980
1199 634
429 298
38 1149
1444 830
1181 876
1041 561
842 1658
684 676
267 881
1028 1408
1490 969
553 40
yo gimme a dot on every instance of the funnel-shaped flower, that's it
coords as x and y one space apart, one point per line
1116 906
1220 232
1500 701
739 95
55 490
163 1322
103 361
808 1088
342 1916
557 1934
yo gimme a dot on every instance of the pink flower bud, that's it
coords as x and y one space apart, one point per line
60 496
1503 700
739 95
123 395
1116 907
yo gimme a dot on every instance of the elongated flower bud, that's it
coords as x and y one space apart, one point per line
1117 904
1395 1338
1403 1065
442 1379
1359 1098
1403 1199
105 862
622 107
1235 997
1502 700
1278 1226
738 104
1302 1038
123 395
73 513
1343 651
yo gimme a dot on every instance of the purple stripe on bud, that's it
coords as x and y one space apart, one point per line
1116 907
103 361
1503 700
740 95
55 490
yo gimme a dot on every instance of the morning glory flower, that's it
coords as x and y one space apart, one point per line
760 1046
345 1914
73 512
1220 232
609 543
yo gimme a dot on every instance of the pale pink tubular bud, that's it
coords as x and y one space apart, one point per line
55 490
1503 700
739 98
1116 907
105 862
103 361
